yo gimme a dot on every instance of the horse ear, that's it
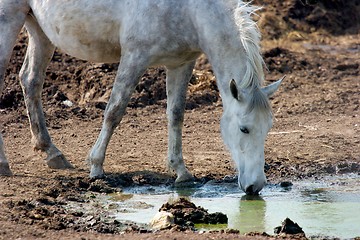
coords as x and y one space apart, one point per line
272 88
234 90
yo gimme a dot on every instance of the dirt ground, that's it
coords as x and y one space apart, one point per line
316 128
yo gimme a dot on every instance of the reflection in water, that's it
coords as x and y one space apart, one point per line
321 208
252 214
185 192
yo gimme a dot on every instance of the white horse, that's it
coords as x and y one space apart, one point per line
139 34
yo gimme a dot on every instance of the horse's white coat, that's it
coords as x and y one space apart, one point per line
139 34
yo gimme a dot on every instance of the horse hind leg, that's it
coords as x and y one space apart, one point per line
32 74
4 165
12 19
176 84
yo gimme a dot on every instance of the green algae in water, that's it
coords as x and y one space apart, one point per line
209 227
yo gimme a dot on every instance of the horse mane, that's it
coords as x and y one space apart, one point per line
249 34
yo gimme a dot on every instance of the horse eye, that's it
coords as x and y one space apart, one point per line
244 130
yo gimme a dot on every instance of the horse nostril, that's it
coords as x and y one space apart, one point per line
250 190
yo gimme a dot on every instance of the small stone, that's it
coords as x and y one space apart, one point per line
67 103
285 184
162 220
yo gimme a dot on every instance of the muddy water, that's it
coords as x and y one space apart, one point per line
326 207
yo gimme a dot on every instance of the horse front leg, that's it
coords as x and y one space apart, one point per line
32 74
12 18
176 85
131 67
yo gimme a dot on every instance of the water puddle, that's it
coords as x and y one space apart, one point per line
326 207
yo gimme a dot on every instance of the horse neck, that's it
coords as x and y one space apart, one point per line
233 65
232 46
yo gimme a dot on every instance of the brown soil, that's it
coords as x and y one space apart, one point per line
316 129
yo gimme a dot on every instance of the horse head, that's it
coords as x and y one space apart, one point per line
245 124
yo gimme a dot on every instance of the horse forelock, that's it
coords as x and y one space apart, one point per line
258 101
249 34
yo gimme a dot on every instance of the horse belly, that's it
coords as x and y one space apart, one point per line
84 29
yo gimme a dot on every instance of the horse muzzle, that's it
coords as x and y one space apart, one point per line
253 187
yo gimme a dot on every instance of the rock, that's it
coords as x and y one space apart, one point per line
288 227
68 103
184 211
162 220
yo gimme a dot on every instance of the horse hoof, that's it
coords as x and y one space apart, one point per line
187 177
96 172
58 162
5 169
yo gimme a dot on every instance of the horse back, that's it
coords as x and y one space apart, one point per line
99 30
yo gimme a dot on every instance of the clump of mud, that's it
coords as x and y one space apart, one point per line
335 16
50 215
287 17
284 61
187 214
49 210
289 227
